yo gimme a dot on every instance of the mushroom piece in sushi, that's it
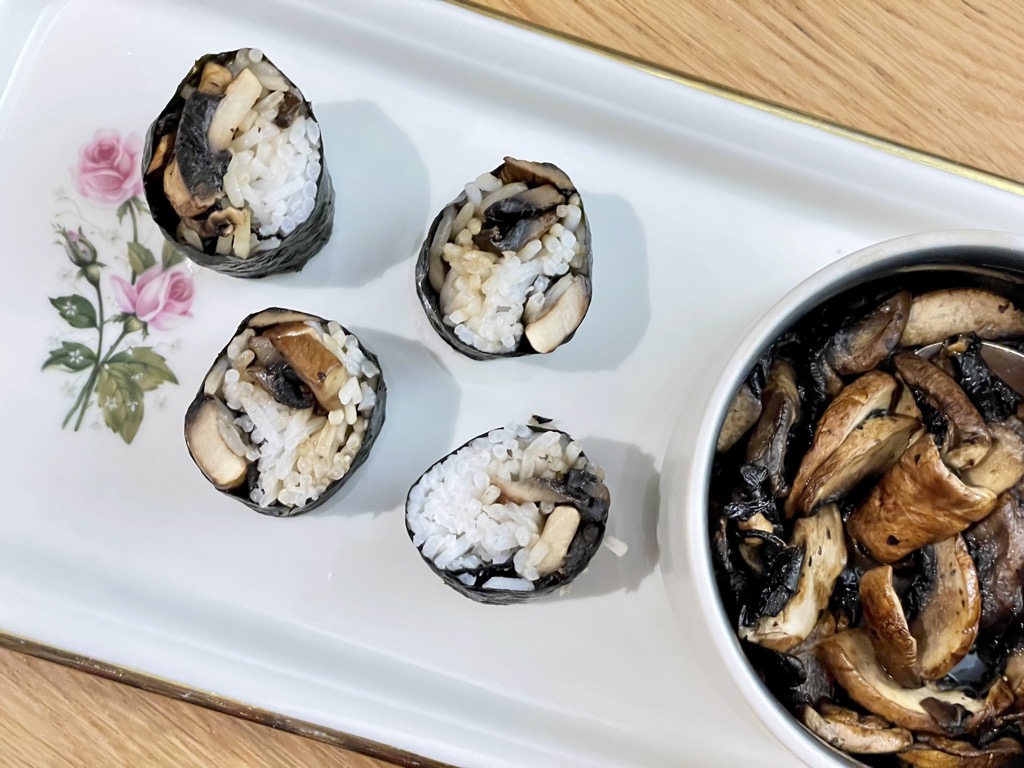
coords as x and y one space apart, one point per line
288 412
505 268
513 514
234 170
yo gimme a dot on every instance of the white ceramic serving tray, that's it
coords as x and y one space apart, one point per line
704 212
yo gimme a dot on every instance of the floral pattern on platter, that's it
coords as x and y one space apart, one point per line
102 349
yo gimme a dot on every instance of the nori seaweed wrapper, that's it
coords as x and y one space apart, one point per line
373 428
586 492
295 249
430 300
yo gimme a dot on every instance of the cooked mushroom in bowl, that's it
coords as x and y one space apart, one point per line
866 517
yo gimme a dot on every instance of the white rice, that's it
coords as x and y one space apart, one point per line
298 454
484 294
453 510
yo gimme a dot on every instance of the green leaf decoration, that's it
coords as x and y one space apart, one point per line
122 209
140 258
121 401
77 310
142 366
171 255
140 205
72 356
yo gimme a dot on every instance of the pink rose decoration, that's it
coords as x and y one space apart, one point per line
162 298
108 169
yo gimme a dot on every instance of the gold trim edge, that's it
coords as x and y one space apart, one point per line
222 704
764 105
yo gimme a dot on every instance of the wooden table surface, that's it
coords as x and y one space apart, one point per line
939 75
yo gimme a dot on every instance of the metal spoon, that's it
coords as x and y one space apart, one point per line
1006 363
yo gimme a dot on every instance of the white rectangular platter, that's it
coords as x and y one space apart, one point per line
703 212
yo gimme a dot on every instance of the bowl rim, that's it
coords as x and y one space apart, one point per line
692 525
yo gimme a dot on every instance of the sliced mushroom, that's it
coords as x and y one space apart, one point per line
854 733
997 546
180 197
780 411
869 450
269 317
895 647
850 657
239 97
821 539
1003 466
938 752
871 392
527 204
204 434
749 545
1014 674
535 174
316 365
967 439
214 80
161 152
513 235
906 404
202 166
917 502
947 623
218 224
535 490
940 314
866 343
559 530
744 410
284 385
566 311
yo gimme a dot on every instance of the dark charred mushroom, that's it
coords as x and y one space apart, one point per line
869 450
870 393
854 733
978 366
201 165
535 174
1003 466
917 502
780 411
744 410
947 623
207 425
284 385
895 647
997 544
940 314
967 439
513 235
866 343
821 539
317 366
937 752
851 659
565 305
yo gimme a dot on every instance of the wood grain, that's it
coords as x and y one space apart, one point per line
938 75
943 76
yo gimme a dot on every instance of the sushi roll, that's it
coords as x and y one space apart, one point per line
233 168
513 514
505 268
287 413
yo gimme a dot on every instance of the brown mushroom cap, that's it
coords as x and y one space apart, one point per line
866 343
744 410
871 392
938 752
947 624
854 733
917 502
1003 466
895 647
850 657
937 315
967 439
997 543
781 410
821 538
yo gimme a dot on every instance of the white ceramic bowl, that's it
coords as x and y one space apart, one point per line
683 528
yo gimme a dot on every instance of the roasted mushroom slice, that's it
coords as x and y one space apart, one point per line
216 452
869 450
947 623
322 371
744 410
1003 466
917 502
940 314
997 546
854 733
870 393
866 343
967 438
895 647
821 539
781 410
850 657
938 752
565 305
